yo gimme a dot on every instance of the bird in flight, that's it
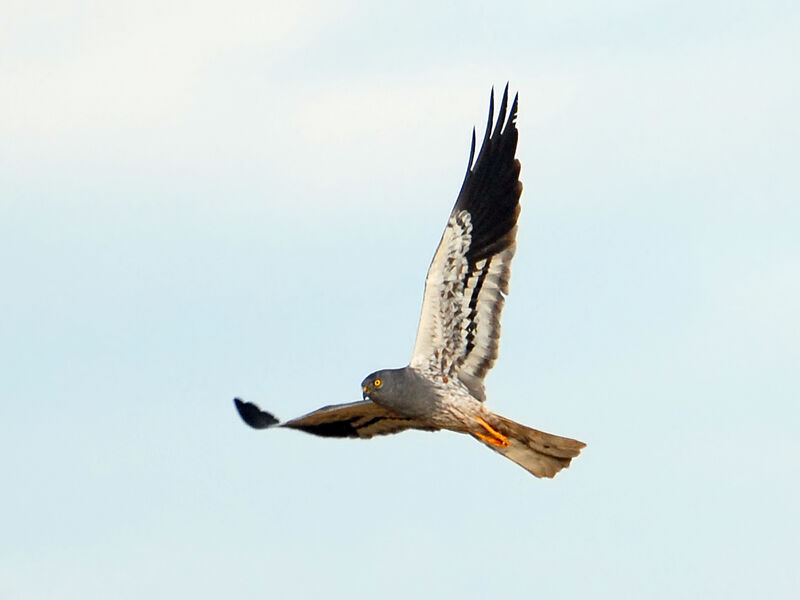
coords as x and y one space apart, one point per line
459 328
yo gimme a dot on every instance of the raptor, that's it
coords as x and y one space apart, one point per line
459 329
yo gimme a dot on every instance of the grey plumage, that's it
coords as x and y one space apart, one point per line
403 391
459 330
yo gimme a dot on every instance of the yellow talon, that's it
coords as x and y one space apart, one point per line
495 438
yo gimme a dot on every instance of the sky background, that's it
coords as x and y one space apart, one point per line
206 200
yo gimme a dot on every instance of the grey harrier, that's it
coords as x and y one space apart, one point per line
459 329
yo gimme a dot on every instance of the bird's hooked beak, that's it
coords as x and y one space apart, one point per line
364 392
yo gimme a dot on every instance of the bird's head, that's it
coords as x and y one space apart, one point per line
377 384
400 390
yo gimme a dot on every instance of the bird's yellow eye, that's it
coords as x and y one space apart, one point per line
377 383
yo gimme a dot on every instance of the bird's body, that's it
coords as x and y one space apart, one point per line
406 391
459 329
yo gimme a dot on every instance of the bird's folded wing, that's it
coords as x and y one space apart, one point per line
465 289
363 419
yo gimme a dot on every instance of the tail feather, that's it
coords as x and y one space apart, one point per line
542 454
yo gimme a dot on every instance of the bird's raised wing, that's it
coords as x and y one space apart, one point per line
356 420
459 328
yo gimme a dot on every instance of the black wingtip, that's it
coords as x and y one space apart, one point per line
501 114
254 416
471 152
490 121
513 116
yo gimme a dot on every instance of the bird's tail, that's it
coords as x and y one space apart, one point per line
543 454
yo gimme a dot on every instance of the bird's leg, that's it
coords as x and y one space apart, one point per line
495 438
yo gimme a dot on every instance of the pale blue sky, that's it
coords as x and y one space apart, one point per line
199 201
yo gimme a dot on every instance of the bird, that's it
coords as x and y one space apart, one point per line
442 387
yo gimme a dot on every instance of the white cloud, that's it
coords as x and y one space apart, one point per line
151 85
130 65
